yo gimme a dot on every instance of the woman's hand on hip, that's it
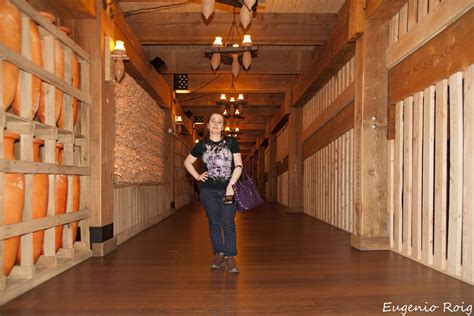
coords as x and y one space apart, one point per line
229 190
202 177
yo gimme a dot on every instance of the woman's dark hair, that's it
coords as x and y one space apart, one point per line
205 138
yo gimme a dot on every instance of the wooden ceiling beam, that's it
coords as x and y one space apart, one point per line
308 29
190 59
74 9
139 67
248 111
245 83
383 9
253 99
339 49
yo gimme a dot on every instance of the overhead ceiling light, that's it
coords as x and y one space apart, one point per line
233 107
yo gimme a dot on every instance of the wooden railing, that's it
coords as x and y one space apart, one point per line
431 179
283 143
183 186
418 21
328 93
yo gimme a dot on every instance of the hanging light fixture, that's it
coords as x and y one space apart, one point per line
246 9
207 7
237 50
232 107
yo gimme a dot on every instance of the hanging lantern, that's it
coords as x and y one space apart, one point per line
207 7
215 61
235 65
245 16
247 60
119 69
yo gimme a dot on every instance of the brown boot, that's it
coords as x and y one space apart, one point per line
219 261
230 265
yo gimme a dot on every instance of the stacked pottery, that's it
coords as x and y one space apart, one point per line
75 80
40 191
10 36
59 71
36 83
60 195
14 199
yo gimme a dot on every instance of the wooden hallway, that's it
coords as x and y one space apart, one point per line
291 264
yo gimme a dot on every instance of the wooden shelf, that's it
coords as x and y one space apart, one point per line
17 287
27 167
75 152
26 227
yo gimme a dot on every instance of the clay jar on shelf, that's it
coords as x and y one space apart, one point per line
40 191
10 36
36 83
59 72
14 199
75 80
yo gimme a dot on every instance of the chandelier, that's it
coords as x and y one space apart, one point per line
233 107
235 51
233 132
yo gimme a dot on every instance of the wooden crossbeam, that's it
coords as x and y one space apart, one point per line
267 28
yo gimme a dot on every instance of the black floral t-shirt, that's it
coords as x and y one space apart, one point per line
218 160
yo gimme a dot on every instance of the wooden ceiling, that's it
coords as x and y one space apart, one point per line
288 33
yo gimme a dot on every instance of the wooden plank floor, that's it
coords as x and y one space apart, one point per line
290 264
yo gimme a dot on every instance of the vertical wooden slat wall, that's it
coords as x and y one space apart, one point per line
267 171
328 173
183 182
283 144
328 93
418 21
75 139
139 207
431 186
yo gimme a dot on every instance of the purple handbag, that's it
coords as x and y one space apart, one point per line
246 193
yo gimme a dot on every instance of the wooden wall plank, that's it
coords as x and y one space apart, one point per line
428 173
334 54
417 173
455 172
403 23
435 60
343 100
407 174
398 184
412 13
468 180
422 9
426 29
336 127
383 9
390 188
441 177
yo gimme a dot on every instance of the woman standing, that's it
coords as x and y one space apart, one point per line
222 168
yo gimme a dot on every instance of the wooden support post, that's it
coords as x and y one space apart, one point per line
261 170
370 143
295 160
272 171
101 136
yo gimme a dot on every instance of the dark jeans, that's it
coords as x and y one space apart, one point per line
221 221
